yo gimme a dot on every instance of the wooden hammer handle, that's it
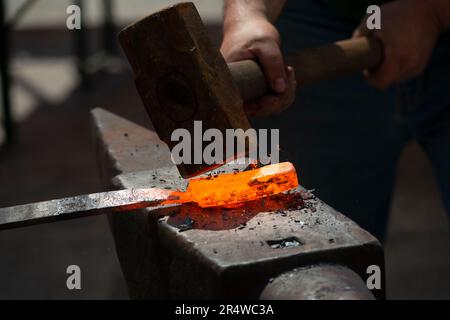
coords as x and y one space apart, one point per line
312 65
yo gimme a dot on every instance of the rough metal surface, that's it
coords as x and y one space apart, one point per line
318 282
225 253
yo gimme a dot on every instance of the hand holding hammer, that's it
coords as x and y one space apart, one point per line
181 77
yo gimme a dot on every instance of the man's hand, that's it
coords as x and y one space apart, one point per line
255 37
409 31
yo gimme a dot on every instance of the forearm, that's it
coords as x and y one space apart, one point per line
241 10
441 12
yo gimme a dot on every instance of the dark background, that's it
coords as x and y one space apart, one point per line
53 156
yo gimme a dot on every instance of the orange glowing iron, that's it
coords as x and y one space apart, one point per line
234 188
229 189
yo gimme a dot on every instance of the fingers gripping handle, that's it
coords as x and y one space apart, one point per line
312 65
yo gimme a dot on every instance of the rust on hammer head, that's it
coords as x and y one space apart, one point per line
181 76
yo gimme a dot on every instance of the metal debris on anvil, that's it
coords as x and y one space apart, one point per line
285 243
187 225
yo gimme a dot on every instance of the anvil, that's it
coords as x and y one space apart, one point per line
226 253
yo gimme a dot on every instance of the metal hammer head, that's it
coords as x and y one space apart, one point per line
181 77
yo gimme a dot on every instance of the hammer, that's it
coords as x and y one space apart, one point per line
181 77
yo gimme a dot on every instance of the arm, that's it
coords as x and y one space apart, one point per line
249 34
244 9
409 32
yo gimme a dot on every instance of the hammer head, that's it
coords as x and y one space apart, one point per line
181 77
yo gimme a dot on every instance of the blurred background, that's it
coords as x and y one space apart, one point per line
56 77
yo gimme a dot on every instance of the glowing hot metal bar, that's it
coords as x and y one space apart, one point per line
228 189
234 188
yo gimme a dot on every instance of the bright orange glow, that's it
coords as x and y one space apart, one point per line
229 189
